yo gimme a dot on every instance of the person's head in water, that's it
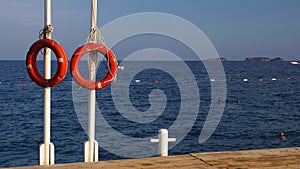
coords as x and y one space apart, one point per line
281 135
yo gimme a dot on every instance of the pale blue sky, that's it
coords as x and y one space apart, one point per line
237 28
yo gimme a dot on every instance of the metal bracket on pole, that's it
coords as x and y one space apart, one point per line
163 140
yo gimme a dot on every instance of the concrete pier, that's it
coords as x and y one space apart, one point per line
283 158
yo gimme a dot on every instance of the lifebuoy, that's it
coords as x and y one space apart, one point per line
93 47
62 63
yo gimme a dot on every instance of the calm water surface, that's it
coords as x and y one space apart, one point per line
266 108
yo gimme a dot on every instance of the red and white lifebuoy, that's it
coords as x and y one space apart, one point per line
93 47
62 63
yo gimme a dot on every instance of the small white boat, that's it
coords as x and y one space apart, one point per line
294 63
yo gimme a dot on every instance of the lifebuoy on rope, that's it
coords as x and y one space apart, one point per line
93 47
62 63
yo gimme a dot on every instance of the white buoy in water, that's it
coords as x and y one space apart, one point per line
121 67
163 142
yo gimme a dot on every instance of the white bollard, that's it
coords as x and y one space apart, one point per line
163 140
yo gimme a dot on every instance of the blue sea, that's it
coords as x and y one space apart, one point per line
262 100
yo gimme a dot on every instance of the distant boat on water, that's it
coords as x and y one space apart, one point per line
294 63
121 67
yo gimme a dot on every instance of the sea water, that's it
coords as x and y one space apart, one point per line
262 100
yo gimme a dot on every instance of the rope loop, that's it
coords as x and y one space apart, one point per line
96 37
45 32
93 60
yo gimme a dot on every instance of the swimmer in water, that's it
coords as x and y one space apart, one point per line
281 136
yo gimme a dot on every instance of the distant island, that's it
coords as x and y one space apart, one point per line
263 59
217 59
256 59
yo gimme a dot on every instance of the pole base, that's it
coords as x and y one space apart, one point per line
47 159
88 154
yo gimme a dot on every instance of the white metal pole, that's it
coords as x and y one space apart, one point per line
92 144
47 91
45 157
91 127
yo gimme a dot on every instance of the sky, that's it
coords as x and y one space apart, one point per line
237 28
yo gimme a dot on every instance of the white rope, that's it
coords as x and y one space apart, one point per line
94 14
95 36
